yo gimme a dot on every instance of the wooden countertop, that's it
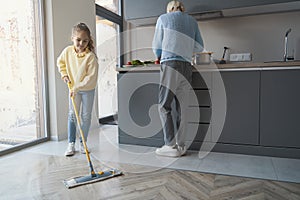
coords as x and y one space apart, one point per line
229 66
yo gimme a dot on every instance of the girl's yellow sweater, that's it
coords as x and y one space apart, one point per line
82 68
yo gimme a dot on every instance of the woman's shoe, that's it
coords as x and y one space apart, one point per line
182 150
170 151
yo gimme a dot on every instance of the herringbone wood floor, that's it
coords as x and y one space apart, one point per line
35 176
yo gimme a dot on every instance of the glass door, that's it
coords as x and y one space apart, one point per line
108 58
21 79
109 25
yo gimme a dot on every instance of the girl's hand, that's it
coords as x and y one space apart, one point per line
72 94
66 79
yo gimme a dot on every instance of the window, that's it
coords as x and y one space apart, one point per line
111 5
22 107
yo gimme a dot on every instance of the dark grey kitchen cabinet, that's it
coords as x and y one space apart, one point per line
138 96
137 93
202 6
138 9
201 83
280 108
262 110
242 113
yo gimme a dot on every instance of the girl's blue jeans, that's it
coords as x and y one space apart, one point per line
84 103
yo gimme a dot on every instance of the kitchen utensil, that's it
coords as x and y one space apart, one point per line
202 58
223 61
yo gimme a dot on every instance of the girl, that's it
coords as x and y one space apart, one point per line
78 66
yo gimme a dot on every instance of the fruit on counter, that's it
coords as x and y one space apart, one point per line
129 63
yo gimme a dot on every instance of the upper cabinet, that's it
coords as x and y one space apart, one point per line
136 9
142 12
220 5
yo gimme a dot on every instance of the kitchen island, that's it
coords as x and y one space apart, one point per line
258 104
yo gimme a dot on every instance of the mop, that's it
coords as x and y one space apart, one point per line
94 176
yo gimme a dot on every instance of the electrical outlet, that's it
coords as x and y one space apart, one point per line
238 57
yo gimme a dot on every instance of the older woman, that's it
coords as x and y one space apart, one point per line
176 38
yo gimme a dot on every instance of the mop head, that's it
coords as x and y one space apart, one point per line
82 180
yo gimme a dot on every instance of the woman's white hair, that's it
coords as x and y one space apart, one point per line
175 6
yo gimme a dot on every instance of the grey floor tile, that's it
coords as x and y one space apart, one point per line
49 148
118 153
238 165
188 162
287 169
149 158
103 143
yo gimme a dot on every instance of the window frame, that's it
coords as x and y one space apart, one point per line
117 19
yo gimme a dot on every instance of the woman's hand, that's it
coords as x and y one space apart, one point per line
157 61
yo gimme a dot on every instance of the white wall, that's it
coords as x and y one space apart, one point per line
61 16
261 35
140 43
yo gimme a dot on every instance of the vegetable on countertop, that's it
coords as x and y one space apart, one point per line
139 62
149 62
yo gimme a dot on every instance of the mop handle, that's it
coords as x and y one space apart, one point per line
81 132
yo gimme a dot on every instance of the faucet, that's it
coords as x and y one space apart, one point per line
286 45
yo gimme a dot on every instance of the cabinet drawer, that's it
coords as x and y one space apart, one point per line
203 98
201 80
203 117
202 131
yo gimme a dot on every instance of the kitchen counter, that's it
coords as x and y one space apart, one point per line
261 101
223 67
